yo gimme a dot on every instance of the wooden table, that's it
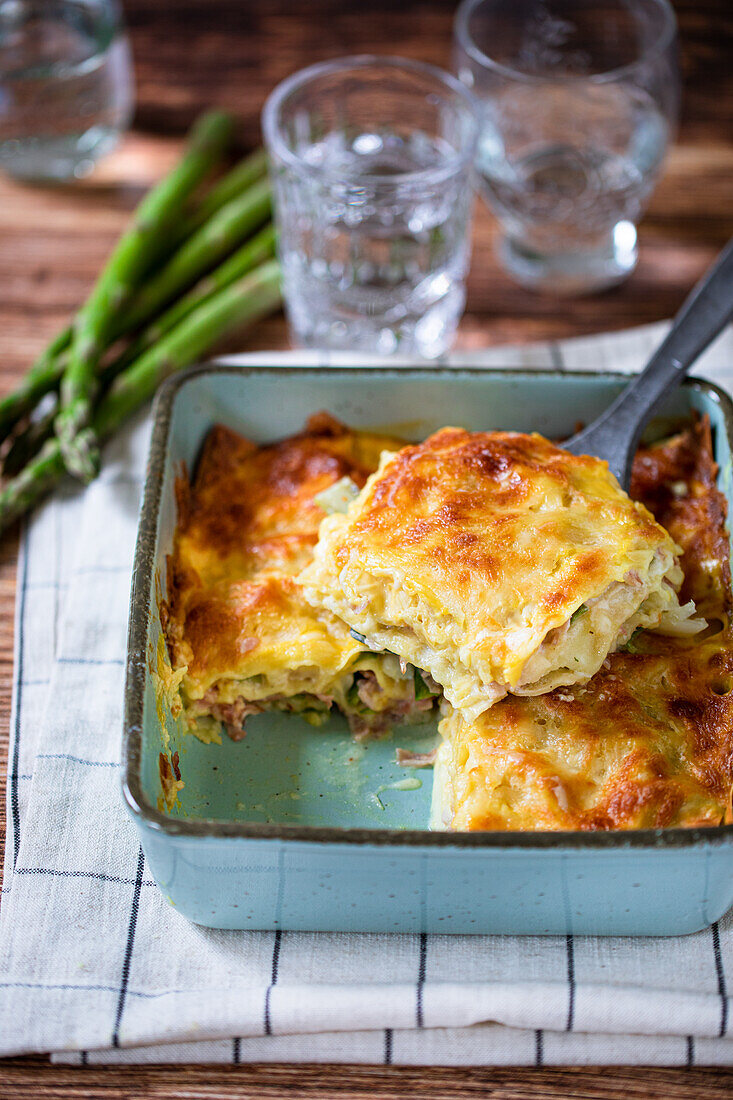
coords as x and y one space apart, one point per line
192 53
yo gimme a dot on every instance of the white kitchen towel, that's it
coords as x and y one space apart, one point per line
95 964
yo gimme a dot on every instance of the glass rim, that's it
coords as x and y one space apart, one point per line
455 162
464 39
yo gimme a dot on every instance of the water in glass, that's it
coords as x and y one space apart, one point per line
570 167
578 103
65 86
372 170
370 267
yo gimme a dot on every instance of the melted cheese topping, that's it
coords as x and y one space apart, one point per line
647 742
468 555
238 625
619 753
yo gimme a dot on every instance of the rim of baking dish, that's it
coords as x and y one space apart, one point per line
143 591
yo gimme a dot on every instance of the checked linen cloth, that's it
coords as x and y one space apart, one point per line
97 966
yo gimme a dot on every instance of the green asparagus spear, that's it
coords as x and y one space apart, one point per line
27 443
251 297
39 380
48 369
136 251
214 240
260 248
32 483
239 179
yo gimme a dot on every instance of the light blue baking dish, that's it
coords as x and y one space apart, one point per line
297 828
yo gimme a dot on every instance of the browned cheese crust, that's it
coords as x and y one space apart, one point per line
247 526
648 742
470 554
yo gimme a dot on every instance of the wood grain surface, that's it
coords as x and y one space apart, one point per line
34 1080
195 53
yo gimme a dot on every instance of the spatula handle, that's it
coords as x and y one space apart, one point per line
615 435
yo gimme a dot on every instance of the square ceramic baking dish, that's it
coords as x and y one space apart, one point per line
297 828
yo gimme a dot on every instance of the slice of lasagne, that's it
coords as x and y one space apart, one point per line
242 637
648 742
497 562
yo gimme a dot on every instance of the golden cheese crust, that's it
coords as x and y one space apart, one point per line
648 742
237 619
251 510
469 555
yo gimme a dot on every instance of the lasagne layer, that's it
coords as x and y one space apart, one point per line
497 562
648 742
241 635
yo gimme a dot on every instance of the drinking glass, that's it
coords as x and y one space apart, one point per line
371 161
66 87
578 102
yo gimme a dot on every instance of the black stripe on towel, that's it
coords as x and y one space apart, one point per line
78 760
388 1046
421 969
273 979
720 972
131 926
15 766
95 876
538 1051
90 660
570 950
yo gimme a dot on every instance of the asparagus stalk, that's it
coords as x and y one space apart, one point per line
260 248
32 483
27 443
214 240
251 297
239 179
48 369
39 380
136 251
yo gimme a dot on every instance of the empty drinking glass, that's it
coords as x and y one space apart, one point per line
578 103
371 163
66 86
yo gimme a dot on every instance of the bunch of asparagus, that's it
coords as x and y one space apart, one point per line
187 272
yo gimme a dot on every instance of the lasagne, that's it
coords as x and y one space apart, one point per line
241 635
497 562
648 742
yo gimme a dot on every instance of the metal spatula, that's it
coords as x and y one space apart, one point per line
616 433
